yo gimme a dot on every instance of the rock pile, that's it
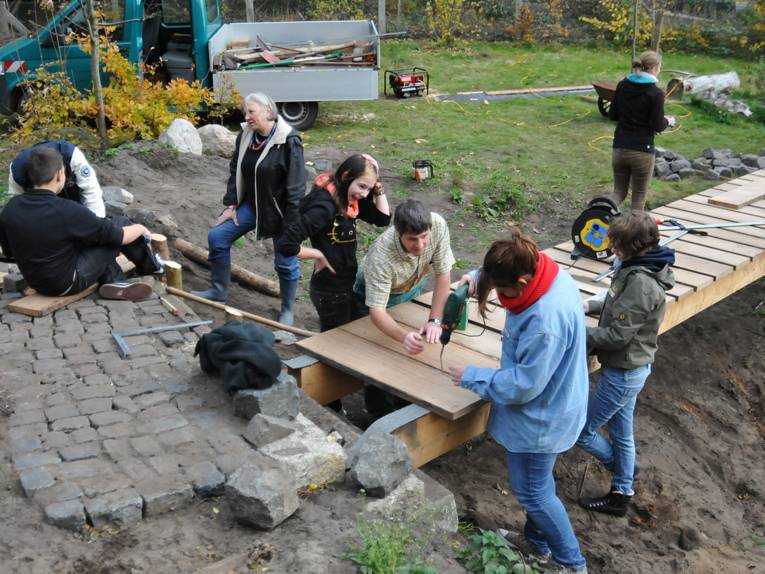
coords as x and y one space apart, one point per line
714 164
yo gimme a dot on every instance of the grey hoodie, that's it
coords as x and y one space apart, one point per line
630 316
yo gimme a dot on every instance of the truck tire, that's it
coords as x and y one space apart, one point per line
300 115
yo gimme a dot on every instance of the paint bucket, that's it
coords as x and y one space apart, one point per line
423 169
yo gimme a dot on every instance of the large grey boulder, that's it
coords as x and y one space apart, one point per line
662 169
217 140
310 455
279 400
713 153
115 193
262 494
679 164
749 159
182 136
380 464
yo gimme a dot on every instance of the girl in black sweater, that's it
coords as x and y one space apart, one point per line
638 107
327 216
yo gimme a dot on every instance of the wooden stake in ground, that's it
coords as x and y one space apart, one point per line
245 314
159 246
239 273
174 274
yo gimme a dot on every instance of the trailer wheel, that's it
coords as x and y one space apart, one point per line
603 106
300 115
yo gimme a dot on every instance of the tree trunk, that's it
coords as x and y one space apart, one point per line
381 25
95 65
656 36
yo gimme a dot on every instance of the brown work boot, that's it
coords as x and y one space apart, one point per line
125 291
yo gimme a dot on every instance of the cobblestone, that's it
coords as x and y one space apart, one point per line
94 392
26 418
70 424
81 451
151 399
81 469
125 403
59 492
49 354
31 460
121 508
206 479
33 479
26 444
94 318
68 514
163 494
118 448
162 425
104 345
188 402
146 446
56 439
146 361
166 463
98 485
86 369
63 411
92 406
135 389
171 338
84 435
157 411
136 469
177 437
69 339
97 380
120 430
40 344
109 418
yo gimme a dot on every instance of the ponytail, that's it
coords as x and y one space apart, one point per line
506 261
646 61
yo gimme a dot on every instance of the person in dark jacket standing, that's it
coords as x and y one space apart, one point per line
625 343
266 183
328 216
638 107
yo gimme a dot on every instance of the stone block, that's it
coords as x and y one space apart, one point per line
59 492
679 164
177 437
25 444
14 283
35 459
70 424
280 400
164 494
146 446
171 338
81 469
151 399
125 403
685 173
64 411
163 424
27 417
206 479
93 406
716 154
94 392
80 451
97 379
263 429
188 402
102 484
120 430
262 494
58 399
723 171
309 455
380 463
33 479
109 418
69 514
166 463
49 354
159 411
672 177
84 435
136 469
121 508
83 370
65 340
40 344
139 388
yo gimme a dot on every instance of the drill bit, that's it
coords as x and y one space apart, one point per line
441 356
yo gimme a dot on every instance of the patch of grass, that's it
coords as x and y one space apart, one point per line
4 197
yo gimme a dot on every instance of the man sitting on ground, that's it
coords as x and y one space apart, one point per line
81 182
61 247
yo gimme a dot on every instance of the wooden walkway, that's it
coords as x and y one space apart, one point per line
707 269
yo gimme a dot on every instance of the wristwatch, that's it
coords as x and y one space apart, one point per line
379 191
434 320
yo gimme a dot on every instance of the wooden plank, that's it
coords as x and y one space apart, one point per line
755 211
324 383
720 213
740 235
717 243
709 253
396 372
430 436
37 305
703 266
744 195
495 316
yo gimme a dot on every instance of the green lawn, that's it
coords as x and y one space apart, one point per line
553 150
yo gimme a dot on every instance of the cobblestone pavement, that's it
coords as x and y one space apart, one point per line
107 440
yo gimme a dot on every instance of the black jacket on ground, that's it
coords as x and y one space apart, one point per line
639 110
243 353
331 233
46 234
279 178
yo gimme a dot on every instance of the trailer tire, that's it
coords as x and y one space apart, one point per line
300 115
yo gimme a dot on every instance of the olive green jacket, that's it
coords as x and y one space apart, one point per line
630 316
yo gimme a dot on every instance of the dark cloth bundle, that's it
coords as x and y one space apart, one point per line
243 353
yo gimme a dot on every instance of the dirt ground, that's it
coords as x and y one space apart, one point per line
700 426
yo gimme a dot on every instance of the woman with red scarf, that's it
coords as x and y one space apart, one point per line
539 392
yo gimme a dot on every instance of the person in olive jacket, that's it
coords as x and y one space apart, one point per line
625 344
638 107
328 216
264 189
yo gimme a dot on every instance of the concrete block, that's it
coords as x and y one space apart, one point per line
262 494
280 400
206 479
120 508
69 514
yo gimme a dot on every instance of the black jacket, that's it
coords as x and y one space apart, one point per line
639 110
46 234
243 353
279 178
331 233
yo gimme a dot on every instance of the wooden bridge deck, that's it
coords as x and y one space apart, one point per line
707 269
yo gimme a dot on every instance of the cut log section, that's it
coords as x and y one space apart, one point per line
199 255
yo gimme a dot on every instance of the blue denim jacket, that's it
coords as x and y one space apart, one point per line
539 393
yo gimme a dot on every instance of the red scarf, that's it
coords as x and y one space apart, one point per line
324 181
546 271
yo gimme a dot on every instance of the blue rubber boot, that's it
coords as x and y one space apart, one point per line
287 290
220 276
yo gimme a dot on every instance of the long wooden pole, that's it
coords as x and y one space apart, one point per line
239 273
245 314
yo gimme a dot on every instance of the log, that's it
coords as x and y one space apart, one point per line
232 314
239 273
174 274
245 314
159 246
716 82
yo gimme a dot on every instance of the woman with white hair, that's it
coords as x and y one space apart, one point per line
264 189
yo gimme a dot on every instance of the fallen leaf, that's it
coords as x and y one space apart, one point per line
216 510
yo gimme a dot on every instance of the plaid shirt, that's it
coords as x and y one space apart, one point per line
388 269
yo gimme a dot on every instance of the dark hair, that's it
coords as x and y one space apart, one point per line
42 165
633 233
505 263
412 217
352 168
646 61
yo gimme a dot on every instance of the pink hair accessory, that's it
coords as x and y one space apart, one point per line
371 160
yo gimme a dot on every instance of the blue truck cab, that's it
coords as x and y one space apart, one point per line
177 31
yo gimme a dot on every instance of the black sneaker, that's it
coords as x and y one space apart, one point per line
614 503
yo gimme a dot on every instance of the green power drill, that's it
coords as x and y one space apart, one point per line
455 316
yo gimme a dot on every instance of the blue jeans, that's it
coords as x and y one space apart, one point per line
614 403
221 237
547 528
359 292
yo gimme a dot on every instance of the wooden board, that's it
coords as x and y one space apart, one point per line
392 370
742 235
325 384
743 195
38 305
